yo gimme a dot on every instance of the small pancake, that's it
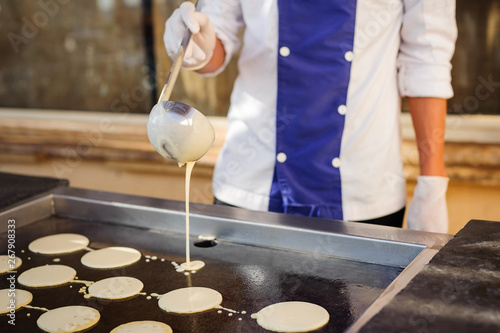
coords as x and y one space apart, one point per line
9 264
193 265
68 319
116 288
59 243
146 326
21 297
47 276
111 257
190 300
292 317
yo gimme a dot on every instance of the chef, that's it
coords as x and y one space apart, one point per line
314 121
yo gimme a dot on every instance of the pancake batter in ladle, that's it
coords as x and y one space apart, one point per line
181 133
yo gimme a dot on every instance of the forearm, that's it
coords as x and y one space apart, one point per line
217 60
428 116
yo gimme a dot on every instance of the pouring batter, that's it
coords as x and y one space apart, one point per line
190 300
181 133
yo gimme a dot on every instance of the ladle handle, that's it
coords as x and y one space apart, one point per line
177 64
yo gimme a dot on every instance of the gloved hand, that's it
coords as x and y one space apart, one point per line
428 211
201 47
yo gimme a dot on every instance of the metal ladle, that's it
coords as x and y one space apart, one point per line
176 130
179 132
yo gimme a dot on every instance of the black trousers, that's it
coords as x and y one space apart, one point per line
391 220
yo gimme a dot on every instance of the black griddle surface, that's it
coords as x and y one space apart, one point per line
14 188
248 277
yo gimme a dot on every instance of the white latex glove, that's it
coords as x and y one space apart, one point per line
428 211
202 45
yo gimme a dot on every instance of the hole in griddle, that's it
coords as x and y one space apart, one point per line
206 243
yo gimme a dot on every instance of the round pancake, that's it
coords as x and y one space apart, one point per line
190 300
58 244
21 297
116 288
111 257
292 317
6 262
68 319
47 276
146 326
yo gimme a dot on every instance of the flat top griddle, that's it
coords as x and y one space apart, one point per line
14 187
249 276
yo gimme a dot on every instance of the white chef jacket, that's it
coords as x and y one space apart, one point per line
331 147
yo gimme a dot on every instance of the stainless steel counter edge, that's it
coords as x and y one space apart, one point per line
393 289
349 240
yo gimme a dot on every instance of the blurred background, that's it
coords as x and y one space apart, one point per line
78 78
83 55
86 55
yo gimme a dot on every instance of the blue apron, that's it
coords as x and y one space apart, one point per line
315 39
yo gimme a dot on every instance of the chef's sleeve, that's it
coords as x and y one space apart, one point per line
226 17
428 36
